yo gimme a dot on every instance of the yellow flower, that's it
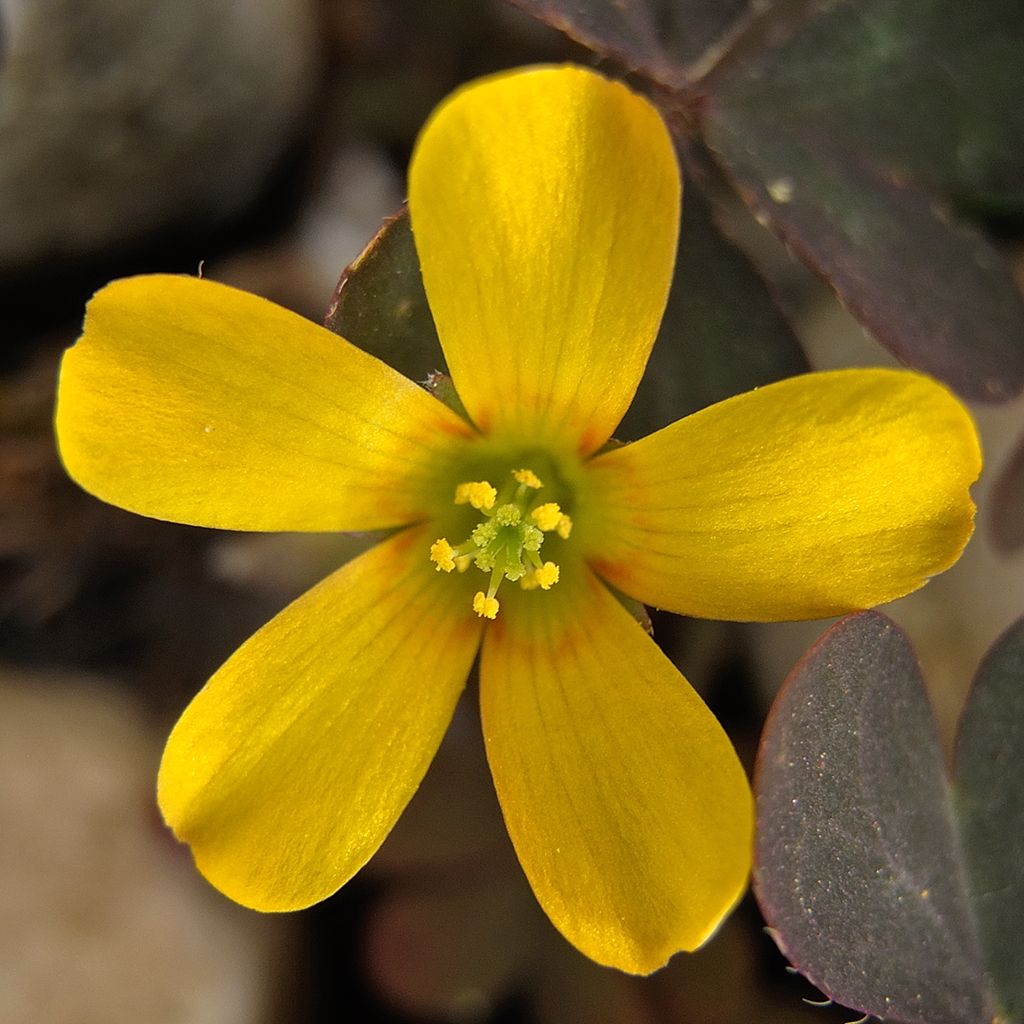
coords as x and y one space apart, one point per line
545 207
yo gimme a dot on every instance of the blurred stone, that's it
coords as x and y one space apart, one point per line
104 916
357 190
361 189
121 116
282 565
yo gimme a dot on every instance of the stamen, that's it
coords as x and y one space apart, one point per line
507 540
480 494
545 577
547 516
442 552
485 607
527 477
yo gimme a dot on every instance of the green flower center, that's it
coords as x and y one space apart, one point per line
507 541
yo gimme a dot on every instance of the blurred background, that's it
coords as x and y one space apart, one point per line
265 141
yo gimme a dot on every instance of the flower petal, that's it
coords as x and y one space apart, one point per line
625 800
290 767
545 209
188 400
815 496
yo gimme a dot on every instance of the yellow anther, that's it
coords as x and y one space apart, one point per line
527 477
564 527
480 494
547 575
443 553
548 516
544 576
486 607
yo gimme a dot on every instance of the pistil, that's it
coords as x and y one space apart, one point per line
506 543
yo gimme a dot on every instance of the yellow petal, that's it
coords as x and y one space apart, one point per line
290 767
545 208
814 496
627 805
191 401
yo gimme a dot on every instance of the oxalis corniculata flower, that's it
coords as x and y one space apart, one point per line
545 209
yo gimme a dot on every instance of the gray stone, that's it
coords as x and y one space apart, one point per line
104 916
121 116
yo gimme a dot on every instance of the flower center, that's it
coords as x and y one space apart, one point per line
507 541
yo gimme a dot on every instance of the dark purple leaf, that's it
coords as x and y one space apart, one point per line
928 287
989 798
1006 504
858 136
858 871
380 304
669 41
721 334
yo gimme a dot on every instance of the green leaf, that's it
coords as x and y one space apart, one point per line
380 304
892 894
989 797
858 136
